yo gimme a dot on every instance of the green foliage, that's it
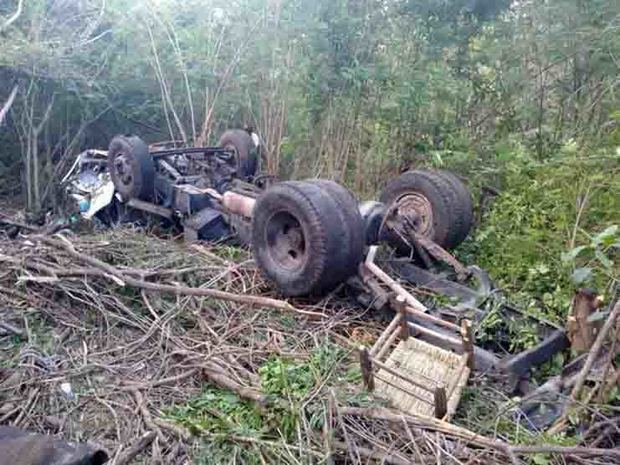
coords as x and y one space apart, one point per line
350 92
286 378
551 222
512 334
293 379
219 411
600 251
219 416
290 382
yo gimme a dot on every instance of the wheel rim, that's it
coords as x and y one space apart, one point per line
418 209
286 241
123 168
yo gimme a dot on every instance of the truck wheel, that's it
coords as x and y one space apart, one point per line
246 152
349 210
463 206
433 201
131 167
302 240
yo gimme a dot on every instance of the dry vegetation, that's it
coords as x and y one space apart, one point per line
164 376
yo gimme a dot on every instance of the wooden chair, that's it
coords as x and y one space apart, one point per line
413 375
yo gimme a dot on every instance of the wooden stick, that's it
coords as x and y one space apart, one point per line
179 431
461 369
561 422
366 366
401 308
423 330
385 335
441 402
177 290
136 448
381 457
146 415
594 351
11 329
9 103
391 283
468 344
225 382
149 207
388 344
351 449
580 331
432 319
564 450
419 421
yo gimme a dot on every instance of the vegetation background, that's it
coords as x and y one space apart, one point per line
519 97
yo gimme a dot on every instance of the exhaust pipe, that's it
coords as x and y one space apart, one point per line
238 204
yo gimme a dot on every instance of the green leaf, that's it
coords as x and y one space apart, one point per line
605 261
606 237
571 255
541 459
581 275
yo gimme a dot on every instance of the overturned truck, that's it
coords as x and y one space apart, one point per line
308 237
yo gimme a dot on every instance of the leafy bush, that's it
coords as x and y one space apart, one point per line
552 229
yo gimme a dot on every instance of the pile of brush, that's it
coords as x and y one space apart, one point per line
175 353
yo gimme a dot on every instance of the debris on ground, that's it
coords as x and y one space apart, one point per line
181 353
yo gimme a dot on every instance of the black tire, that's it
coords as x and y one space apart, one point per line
446 217
246 153
464 213
131 168
302 238
349 209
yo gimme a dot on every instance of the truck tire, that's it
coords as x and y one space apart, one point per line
349 209
246 152
301 238
432 196
131 168
464 211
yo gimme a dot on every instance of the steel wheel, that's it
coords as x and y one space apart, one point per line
419 210
131 168
123 168
286 241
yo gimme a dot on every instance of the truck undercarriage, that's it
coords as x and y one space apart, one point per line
311 237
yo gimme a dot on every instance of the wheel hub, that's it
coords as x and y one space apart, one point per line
286 241
234 159
418 210
122 166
